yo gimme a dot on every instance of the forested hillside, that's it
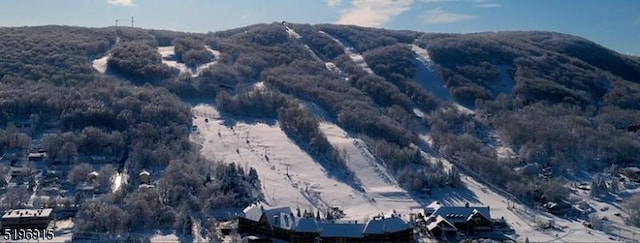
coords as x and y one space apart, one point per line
558 102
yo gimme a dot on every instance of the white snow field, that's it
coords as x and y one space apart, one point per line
292 33
355 57
100 64
168 57
427 75
377 183
290 177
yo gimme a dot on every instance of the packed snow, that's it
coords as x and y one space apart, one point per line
355 57
119 179
427 75
100 64
292 33
377 183
168 58
290 177
505 82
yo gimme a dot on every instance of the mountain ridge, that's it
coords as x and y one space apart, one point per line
560 103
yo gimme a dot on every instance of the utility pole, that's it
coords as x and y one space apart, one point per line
131 21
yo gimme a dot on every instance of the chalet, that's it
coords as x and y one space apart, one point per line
449 221
281 223
26 218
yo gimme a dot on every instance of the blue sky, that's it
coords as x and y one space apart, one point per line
614 24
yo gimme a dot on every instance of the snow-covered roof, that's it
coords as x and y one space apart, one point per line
341 230
441 222
460 214
380 226
283 220
306 225
253 212
273 212
435 205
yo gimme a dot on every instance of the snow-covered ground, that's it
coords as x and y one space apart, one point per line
505 83
355 57
377 183
119 179
292 33
291 177
427 74
522 219
100 64
168 57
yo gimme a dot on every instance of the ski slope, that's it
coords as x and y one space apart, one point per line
505 82
427 75
377 183
349 50
289 176
168 58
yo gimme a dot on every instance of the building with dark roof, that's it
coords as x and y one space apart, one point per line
281 223
449 221
26 218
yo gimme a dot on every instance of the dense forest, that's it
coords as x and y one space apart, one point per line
568 108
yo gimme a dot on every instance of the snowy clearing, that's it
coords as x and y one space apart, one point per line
427 75
292 33
118 180
168 58
355 57
100 64
505 83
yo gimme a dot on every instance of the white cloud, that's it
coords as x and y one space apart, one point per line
488 5
121 2
373 13
333 3
439 16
